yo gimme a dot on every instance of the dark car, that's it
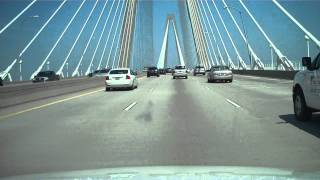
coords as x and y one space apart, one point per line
46 76
1 82
153 71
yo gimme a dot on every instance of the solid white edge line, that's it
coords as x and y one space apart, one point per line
233 103
130 106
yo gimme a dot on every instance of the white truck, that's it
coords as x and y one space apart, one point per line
306 89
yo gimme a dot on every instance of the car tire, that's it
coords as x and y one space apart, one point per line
107 89
148 75
186 77
301 110
174 77
230 81
158 75
209 81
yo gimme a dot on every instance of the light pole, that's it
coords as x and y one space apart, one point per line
20 69
67 66
48 65
244 31
271 54
308 44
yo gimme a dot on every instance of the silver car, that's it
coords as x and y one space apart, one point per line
220 73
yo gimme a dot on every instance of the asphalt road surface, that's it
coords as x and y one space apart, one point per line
248 122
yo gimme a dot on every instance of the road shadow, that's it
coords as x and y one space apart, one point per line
311 127
146 116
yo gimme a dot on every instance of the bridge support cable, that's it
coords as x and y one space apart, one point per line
111 27
119 38
125 3
60 71
241 63
256 60
281 59
58 40
17 16
202 36
209 37
103 31
220 58
196 32
127 34
129 43
76 70
6 73
230 62
308 34
35 36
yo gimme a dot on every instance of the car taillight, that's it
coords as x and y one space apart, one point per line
107 78
128 77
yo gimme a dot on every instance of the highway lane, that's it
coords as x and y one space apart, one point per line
170 122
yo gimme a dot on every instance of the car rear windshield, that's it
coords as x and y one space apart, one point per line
119 72
104 71
220 68
45 73
180 67
152 68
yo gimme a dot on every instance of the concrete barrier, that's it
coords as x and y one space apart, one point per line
267 73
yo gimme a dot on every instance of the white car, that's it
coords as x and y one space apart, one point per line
220 73
180 71
306 89
121 78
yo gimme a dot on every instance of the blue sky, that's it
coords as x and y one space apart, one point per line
288 38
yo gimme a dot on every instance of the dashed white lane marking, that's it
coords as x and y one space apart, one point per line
233 103
130 106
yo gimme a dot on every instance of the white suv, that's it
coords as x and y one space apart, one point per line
306 89
180 71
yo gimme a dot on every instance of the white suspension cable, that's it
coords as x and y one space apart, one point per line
56 43
252 53
201 38
76 71
128 35
119 40
206 29
218 31
196 33
214 37
115 32
104 27
94 54
281 58
76 40
15 18
240 60
312 37
122 34
43 26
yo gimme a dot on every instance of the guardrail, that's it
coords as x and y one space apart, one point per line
267 73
